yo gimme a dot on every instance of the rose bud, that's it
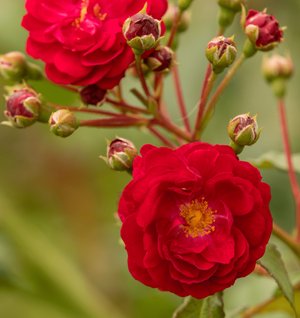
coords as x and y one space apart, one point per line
277 66
263 30
243 131
63 123
92 95
172 14
160 59
22 107
277 70
14 68
184 4
142 32
229 8
120 154
221 53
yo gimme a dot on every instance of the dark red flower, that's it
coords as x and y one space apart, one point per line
194 219
93 95
81 41
263 30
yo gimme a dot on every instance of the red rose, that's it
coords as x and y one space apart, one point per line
194 219
263 30
81 41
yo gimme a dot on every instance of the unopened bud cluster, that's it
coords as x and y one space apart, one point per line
120 154
221 53
142 32
243 131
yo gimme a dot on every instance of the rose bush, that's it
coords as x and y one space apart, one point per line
81 41
194 218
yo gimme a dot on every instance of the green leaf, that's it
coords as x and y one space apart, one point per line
273 263
276 160
210 307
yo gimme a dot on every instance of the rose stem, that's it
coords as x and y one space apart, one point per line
123 121
248 313
161 137
201 106
219 91
291 169
174 28
202 102
180 98
164 122
286 238
138 65
125 106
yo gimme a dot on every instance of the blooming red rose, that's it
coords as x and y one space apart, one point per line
194 219
263 30
81 41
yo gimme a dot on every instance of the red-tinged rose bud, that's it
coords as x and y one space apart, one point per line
160 59
22 107
142 32
120 154
14 68
263 30
277 66
228 10
221 53
171 16
93 95
243 131
63 123
277 70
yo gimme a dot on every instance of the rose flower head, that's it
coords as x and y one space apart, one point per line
194 219
81 41
263 30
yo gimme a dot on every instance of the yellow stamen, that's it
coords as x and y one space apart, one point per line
199 218
98 14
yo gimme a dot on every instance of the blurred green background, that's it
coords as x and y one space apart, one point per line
60 254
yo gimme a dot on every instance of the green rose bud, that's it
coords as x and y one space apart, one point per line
63 123
120 154
221 53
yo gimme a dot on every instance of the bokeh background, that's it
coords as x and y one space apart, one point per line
60 253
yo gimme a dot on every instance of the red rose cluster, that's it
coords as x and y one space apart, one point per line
194 219
81 41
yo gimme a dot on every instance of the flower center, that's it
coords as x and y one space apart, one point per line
84 11
199 218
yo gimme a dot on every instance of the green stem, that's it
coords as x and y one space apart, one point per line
211 105
207 87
